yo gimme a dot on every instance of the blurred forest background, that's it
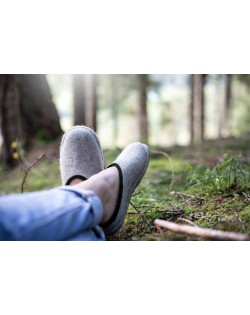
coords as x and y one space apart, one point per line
197 127
159 109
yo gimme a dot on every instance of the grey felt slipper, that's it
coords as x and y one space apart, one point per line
80 154
132 164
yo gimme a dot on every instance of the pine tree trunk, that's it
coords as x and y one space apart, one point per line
197 108
191 109
142 107
10 118
91 100
79 99
219 104
26 111
39 114
114 104
227 106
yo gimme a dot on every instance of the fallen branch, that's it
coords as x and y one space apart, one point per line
200 232
28 169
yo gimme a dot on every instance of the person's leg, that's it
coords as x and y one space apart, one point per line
60 214
105 185
81 158
55 214
67 212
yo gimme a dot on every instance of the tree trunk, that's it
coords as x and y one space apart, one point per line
219 103
79 99
10 118
91 100
114 104
197 108
26 111
227 106
224 106
191 109
39 114
142 107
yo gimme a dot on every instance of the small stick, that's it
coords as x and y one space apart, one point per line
138 193
183 195
200 232
28 169
135 207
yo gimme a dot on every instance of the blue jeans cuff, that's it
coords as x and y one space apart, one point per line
90 197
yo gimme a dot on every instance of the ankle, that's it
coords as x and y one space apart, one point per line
105 185
111 187
75 181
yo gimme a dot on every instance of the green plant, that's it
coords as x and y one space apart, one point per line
231 173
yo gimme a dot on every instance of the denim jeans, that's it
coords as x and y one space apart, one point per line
64 213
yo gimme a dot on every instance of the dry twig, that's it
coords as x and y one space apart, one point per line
28 169
200 232
183 195
135 207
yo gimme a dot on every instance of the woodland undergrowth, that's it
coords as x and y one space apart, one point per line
206 186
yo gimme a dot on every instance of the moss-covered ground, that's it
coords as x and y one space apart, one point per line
210 187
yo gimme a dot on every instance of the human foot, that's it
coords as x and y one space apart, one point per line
105 185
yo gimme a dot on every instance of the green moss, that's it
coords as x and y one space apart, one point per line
225 209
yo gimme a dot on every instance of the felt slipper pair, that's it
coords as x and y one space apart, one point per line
81 157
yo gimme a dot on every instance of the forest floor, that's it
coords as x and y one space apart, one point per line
206 185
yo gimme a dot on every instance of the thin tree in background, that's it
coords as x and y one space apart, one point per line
79 100
114 80
197 108
191 108
224 95
228 101
219 111
91 100
142 107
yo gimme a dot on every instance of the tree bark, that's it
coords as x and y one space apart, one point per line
142 107
79 99
197 108
91 100
219 104
114 104
10 118
191 109
26 111
39 114
227 106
